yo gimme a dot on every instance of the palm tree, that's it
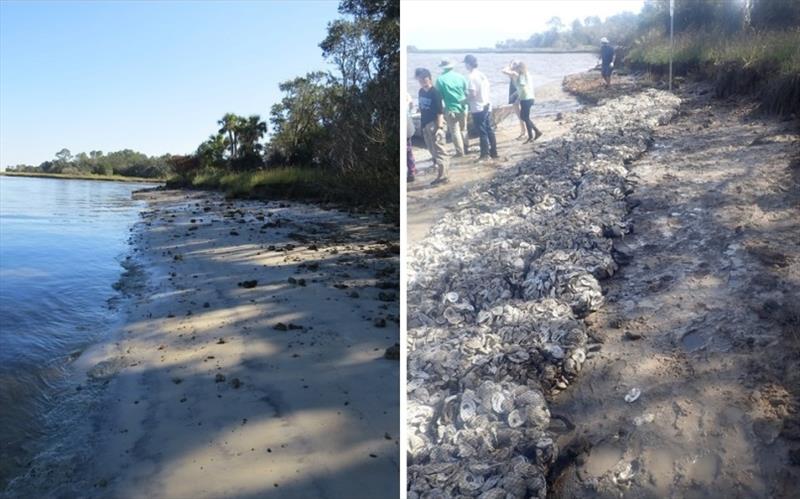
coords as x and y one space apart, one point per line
212 151
250 131
230 124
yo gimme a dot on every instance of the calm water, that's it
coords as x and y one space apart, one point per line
61 244
547 70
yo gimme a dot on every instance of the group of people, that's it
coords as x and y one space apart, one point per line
451 98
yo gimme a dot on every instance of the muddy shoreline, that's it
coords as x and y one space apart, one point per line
252 361
702 319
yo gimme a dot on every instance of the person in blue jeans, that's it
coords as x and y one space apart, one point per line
521 79
480 108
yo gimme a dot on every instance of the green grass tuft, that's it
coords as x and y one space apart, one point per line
766 64
299 183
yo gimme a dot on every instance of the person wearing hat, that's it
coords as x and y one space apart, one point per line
431 119
480 108
607 59
453 88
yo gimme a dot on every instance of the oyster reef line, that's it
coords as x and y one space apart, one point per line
497 293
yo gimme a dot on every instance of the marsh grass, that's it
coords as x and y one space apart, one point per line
356 190
766 64
778 50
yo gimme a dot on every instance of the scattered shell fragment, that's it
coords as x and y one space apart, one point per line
624 473
644 418
632 395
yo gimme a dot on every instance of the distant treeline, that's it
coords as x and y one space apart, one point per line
744 47
691 16
126 163
580 34
341 125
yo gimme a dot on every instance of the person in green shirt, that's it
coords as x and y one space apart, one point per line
453 87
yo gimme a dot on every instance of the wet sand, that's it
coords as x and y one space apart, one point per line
252 363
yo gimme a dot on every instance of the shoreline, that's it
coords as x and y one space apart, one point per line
213 388
43 392
100 178
587 50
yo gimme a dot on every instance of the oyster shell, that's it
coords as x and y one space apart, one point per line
496 296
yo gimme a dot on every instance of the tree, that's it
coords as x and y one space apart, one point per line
82 162
250 132
774 13
212 151
230 124
346 121
348 47
592 21
555 23
64 155
298 119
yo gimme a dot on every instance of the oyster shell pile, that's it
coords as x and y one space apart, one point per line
496 296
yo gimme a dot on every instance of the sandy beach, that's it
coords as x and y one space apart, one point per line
252 363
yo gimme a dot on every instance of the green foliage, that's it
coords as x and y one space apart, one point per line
125 163
305 183
240 138
744 47
777 50
774 14
301 120
347 121
211 153
580 35
343 126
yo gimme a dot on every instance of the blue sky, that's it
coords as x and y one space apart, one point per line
149 76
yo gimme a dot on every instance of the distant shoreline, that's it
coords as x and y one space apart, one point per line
587 50
102 178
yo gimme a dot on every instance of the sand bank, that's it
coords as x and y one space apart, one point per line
704 320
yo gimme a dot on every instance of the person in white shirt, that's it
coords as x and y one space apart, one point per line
480 108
